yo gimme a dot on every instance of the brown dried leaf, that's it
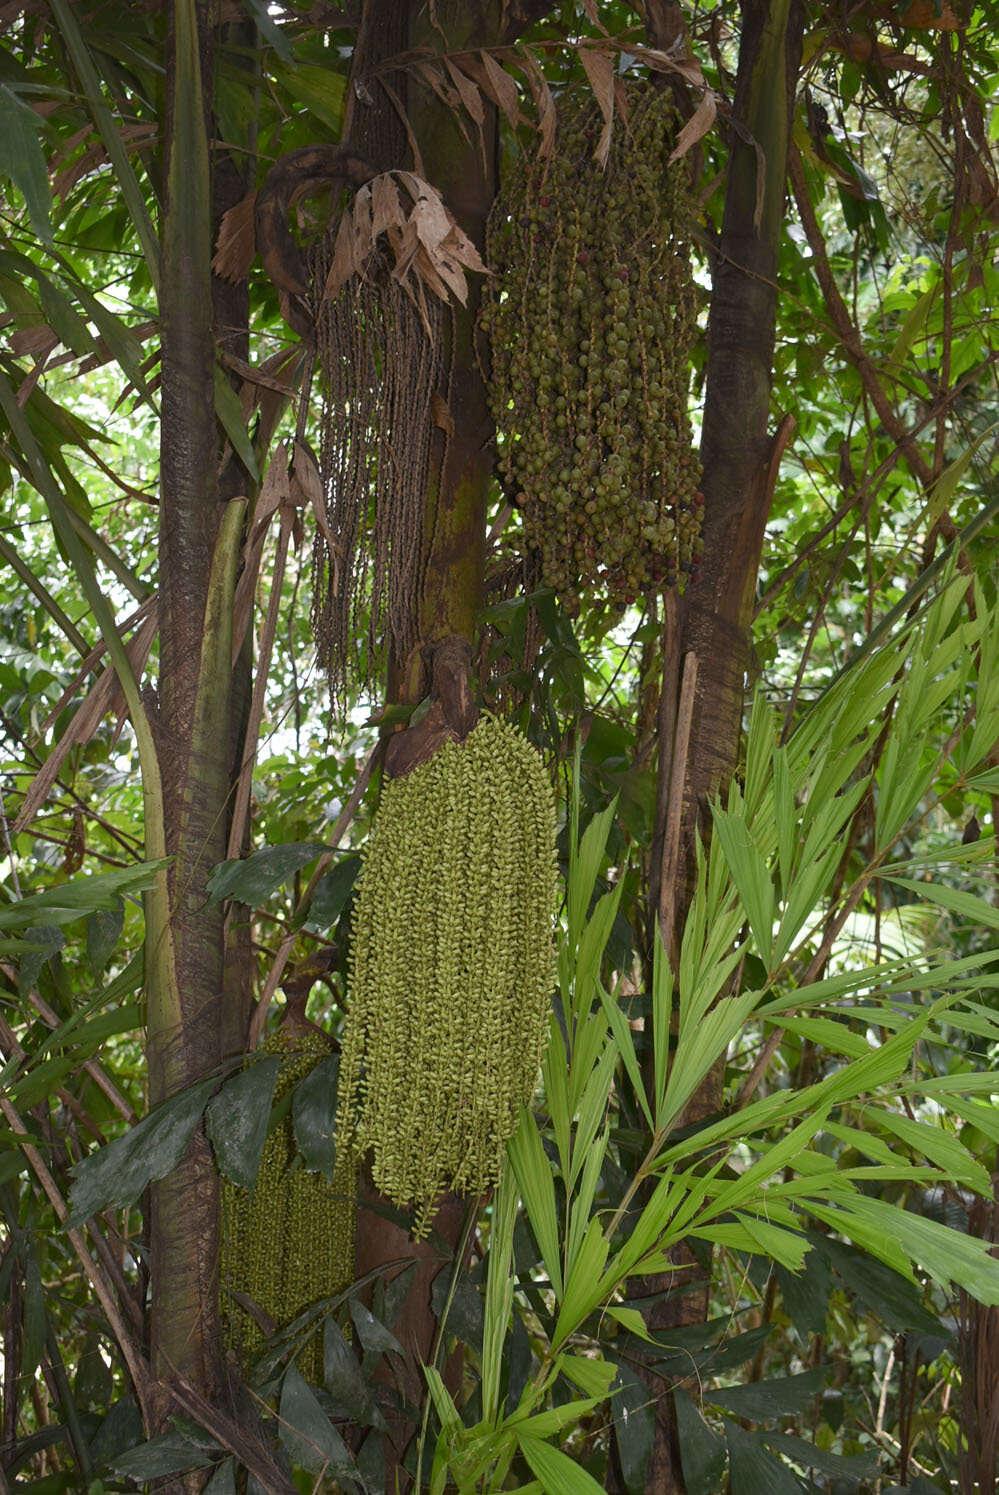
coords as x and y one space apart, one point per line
386 208
414 184
103 697
307 488
441 413
543 102
433 222
599 68
426 272
467 90
433 76
342 267
687 68
237 241
33 342
468 93
621 98
460 247
453 277
697 126
364 239
503 88
405 243
275 487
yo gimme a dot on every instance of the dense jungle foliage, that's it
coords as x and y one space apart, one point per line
622 373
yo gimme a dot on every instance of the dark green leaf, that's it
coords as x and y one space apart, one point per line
371 1461
223 1481
269 30
313 1111
373 1335
23 160
343 1378
93 1384
702 1452
118 1173
71 900
120 1430
252 879
170 1453
517 1359
35 1316
332 893
104 927
237 1120
693 1348
760 1401
633 1410
464 1316
46 940
893 1299
752 1470
806 1294
233 421
307 1433
835 1465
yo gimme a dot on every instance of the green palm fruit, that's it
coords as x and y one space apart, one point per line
452 968
592 265
290 1240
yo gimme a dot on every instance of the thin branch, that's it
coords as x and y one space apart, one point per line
674 811
284 950
245 783
137 1366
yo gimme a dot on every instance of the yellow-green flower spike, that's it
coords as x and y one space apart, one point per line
452 968
290 1240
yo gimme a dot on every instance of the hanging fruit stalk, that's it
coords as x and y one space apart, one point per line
591 316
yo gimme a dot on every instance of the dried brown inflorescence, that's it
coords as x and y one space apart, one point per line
384 281
381 371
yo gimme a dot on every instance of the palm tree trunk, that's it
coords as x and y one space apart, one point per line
707 644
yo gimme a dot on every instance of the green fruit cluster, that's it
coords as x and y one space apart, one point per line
290 1240
590 313
452 968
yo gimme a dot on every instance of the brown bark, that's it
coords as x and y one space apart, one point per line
707 632
184 1324
231 180
446 608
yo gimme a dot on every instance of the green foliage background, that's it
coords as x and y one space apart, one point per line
838 957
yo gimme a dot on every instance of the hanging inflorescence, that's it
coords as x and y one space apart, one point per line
591 317
290 1240
452 968
382 364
